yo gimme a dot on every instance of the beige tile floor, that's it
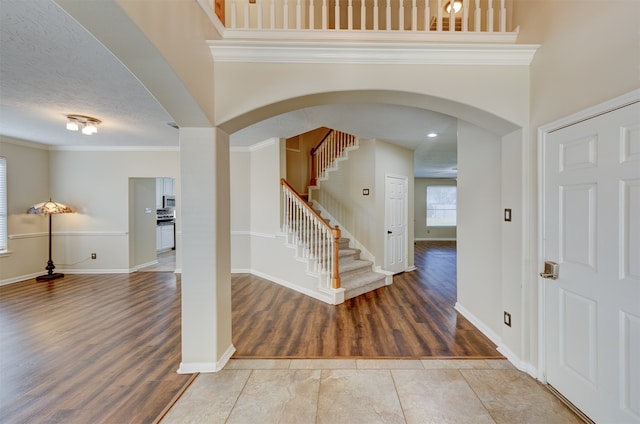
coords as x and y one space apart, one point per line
357 391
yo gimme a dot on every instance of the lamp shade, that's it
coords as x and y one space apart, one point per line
49 208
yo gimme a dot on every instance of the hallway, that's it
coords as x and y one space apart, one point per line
412 318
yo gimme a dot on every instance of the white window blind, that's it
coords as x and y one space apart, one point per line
3 204
442 204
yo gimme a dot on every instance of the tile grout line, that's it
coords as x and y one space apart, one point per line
395 386
477 396
238 397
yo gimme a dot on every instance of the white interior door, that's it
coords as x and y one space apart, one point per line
396 189
592 230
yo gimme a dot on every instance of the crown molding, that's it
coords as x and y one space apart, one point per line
115 148
351 52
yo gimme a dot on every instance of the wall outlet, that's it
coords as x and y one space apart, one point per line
507 319
94 256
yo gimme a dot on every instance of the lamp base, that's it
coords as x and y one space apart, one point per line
49 277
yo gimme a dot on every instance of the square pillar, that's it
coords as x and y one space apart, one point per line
206 263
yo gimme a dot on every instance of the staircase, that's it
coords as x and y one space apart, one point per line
356 275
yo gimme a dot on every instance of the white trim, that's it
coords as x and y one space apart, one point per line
253 234
257 146
497 340
370 53
194 367
411 268
436 239
94 271
13 280
591 112
208 10
70 234
23 143
116 148
138 267
324 297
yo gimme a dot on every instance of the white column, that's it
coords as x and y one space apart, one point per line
206 265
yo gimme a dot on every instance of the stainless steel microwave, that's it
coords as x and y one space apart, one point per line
168 202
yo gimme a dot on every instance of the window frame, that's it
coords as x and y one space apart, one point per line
428 209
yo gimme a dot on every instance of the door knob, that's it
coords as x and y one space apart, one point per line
389 232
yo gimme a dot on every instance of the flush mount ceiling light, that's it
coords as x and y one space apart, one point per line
457 5
432 135
87 124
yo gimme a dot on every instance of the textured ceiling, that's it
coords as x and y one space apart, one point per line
50 66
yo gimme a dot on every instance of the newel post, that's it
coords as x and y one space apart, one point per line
313 167
335 275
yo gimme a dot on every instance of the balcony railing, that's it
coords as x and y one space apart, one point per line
422 16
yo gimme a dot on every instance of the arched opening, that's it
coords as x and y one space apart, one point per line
403 120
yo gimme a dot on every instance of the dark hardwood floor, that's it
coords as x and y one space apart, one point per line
105 348
90 349
413 318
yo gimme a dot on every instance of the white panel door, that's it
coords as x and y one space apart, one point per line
396 189
592 230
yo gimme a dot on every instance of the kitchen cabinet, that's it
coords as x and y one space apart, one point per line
165 237
164 187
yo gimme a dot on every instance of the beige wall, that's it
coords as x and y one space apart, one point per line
420 212
96 185
27 184
479 225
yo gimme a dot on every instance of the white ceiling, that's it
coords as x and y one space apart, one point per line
50 67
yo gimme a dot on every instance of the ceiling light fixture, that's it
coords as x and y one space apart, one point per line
432 135
87 124
457 5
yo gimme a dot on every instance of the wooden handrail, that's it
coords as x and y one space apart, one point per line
314 149
297 196
335 233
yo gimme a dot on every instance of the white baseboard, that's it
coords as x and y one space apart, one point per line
497 340
435 239
327 298
138 267
202 367
20 278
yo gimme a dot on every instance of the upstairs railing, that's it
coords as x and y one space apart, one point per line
436 16
317 240
330 148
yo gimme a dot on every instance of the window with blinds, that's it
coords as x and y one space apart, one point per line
3 204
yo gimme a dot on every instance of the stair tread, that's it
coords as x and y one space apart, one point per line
359 280
355 264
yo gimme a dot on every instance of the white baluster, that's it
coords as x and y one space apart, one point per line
439 22
388 24
285 15
452 18
427 16
233 13
363 15
350 15
337 14
401 16
298 15
259 14
312 22
247 13
272 15
414 16
477 18
490 17
324 14
503 17
376 15
465 15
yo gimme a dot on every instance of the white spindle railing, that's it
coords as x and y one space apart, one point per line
316 239
423 15
324 155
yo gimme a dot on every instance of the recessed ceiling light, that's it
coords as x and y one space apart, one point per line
432 134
